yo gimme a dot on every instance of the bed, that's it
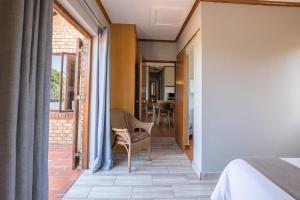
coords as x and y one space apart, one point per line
241 181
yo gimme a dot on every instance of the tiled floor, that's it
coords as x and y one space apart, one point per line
169 175
61 175
163 130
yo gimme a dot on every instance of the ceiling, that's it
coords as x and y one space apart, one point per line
156 69
154 19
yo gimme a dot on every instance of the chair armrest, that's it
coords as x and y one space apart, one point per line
135 123
122 133
119 129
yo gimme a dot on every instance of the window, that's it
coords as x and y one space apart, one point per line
62 82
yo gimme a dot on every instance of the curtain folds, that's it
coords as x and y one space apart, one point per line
25 64
100 154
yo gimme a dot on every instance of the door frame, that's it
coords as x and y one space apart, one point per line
181 115
139 88
86 104
183 80
77 98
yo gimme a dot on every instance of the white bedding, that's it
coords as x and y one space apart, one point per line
240 181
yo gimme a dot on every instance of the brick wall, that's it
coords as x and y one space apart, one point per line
64 40
61 128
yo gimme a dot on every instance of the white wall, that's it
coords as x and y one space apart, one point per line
169 81
250 87
158 50
197 88
251 84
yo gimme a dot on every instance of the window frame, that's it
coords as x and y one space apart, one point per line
62 54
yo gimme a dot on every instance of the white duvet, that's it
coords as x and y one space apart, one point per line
240 181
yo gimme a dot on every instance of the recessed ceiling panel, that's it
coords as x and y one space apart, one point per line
154 19
168 16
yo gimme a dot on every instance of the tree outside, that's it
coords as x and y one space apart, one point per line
55 84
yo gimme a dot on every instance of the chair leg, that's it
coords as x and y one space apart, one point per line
173 115
149 153
169 119
158 119
129 158
114 144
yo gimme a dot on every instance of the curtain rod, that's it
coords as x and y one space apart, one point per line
100 24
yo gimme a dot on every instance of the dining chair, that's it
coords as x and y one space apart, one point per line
164 109
172 106
149 110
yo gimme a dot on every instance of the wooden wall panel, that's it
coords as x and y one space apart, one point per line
181 100
123 59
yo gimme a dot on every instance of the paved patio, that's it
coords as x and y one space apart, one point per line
169 175
61 175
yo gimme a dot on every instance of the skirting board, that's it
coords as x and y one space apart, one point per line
210 175
196 169
205 175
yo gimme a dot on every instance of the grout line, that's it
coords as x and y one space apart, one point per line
90 191
114 183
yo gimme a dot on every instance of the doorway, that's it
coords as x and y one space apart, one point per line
190 101
157 99
185 100
70 61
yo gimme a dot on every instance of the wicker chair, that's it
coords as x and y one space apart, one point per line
131 133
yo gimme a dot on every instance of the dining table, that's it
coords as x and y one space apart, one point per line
155 105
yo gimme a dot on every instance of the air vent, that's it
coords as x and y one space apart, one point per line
168 16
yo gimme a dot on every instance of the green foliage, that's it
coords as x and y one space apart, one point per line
55 83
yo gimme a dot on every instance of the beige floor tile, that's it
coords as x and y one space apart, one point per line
169 180
152 170
78 192
168 175
110 192
152 192
140 180
192 190
90 180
